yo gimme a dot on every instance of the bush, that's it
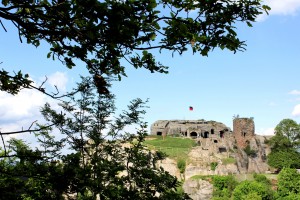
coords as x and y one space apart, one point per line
213 166
202 177
250 152
288 182
223 186
181 164
252 189
285 158
261 179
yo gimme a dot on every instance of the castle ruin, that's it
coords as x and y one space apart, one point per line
243 129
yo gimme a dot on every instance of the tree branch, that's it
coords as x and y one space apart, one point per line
28 130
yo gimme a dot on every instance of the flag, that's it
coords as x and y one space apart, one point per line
191 108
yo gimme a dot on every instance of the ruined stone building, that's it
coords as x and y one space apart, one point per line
216 142
189 128
243 130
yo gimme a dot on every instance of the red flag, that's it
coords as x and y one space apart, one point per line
191 108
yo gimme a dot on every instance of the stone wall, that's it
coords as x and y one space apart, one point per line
190 128
243 131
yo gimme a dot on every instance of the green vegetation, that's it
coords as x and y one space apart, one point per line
285 145
250 152
229 160
175 147
93 168
289 184
255 189
223 186
213 165
100 35
181 164
261 179
203 177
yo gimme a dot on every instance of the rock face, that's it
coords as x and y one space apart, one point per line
170 166
198 189
219 151
229 158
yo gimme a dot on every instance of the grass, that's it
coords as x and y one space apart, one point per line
229 160
175 147
203 177
242 177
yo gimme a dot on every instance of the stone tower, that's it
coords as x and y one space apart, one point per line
243 131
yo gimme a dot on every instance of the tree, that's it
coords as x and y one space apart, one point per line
252 190
284 145
102 33
291 130
284 158
103 163
288 184
223 186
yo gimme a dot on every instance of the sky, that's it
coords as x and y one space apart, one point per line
262 82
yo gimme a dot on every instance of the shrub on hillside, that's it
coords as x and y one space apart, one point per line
261 179
223 186
181 165
213 166
250 152
254 189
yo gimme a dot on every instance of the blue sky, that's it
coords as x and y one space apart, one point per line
262 82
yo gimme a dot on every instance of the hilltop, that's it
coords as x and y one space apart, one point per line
209 148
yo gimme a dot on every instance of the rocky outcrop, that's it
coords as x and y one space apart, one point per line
198 189
170 166
231 160
219 151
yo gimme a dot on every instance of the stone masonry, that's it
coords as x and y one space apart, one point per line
190 128
243 131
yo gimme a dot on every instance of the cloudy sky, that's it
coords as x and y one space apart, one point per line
262 82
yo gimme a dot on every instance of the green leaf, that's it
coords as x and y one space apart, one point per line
49 54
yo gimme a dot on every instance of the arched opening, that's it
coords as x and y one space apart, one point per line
221 134
205 134
158 133
193 134
215 141
212 131
222 149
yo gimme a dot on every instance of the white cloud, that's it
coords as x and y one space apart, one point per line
19 111
268 131
23 105
283 7
296 111
18 125
280 7
58 79
295 92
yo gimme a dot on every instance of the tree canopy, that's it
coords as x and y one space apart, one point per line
290 130
104 33
285 145
104 162
107 36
